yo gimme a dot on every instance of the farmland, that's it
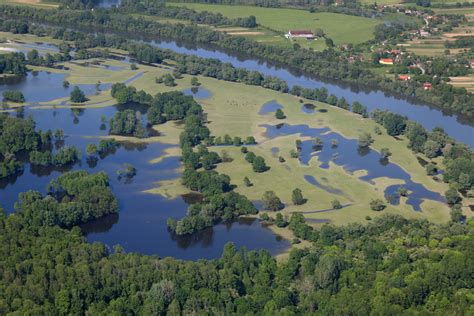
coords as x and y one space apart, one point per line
339 27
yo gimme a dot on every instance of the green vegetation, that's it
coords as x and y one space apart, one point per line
13 63
77 96
331 64
18 135
340 28
271 201
127 123
358 270
13 96
73 198
390 266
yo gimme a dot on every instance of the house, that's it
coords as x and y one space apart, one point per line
427 86
424 33
404 77
299 34
471 63
386 61
339 2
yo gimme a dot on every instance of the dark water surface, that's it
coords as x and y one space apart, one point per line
140 225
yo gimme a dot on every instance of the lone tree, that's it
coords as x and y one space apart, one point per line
195 82
77 96
336 204
272 202
247 182
365 140
259 165
297 197
279 114
280 221
385 153
91 150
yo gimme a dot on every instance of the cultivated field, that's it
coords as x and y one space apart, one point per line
339 27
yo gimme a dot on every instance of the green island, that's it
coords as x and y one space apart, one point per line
361 210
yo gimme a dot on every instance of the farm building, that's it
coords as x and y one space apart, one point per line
427 86
404 77
386 61
299 34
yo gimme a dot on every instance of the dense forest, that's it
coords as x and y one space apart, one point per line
390 266
18 136
326 64
13 63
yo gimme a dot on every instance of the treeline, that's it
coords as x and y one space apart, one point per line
13 63
77 4
460 42
18 136
160 9
327 64
269 3
71 199
390 266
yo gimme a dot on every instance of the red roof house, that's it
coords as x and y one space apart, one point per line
386 61
427 86
404 77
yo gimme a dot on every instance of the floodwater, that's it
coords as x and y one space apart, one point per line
140 225
270 107
199 93
352 158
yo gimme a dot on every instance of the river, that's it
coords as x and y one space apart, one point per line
427 116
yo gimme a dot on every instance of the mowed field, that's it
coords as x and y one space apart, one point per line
340 28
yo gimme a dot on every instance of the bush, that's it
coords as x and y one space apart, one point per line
272 202
452 196
258 165
77 96
377 205
279 114
13 96
297 197
336 204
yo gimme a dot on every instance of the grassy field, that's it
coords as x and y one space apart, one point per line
339 27
233 109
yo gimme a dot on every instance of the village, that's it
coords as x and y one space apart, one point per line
437 35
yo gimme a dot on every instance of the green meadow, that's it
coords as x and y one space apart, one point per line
340 28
